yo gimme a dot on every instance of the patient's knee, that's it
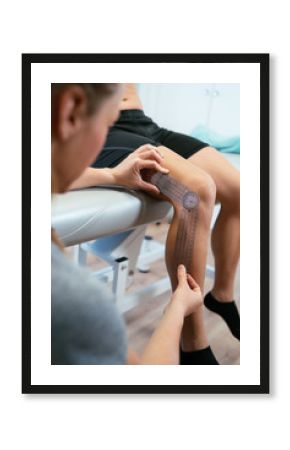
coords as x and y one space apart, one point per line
205 187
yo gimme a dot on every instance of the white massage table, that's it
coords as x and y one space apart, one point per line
82 215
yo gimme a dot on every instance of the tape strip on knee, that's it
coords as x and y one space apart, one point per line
189 203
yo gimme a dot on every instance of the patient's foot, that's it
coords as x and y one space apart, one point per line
201 357
227 310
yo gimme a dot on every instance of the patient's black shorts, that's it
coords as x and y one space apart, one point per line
134 129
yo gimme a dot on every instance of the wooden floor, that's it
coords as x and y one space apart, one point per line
142 320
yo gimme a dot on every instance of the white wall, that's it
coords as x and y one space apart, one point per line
182 107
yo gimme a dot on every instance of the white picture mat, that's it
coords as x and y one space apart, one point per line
248 76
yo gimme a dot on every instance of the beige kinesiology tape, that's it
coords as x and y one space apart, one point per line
189 203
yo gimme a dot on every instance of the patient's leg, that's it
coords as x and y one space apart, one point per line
196 180
226 233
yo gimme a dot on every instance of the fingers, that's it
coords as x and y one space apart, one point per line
181 274
151 154
184 277
145 148
148 187
149 151
149 164
192 283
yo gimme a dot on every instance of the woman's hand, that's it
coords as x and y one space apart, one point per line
187 295
127 173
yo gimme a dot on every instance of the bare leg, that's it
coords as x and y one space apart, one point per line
193 336
226 233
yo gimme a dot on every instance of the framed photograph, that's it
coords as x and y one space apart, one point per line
202 118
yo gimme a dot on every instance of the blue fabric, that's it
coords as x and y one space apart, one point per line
222 143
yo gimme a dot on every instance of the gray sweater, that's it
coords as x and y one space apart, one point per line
86 327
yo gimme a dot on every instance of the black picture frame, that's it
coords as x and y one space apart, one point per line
263 61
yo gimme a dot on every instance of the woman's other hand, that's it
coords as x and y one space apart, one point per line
187 295
128 172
